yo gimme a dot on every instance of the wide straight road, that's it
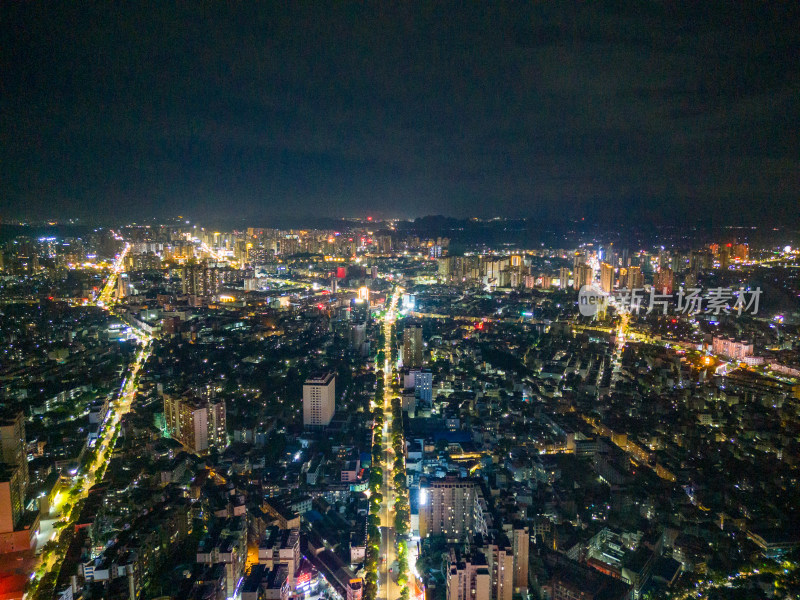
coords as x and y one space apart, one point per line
387 570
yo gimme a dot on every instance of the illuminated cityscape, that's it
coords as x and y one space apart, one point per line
365 412
400 302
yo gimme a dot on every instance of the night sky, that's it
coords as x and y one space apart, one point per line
629 110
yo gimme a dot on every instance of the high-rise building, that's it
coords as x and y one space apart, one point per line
123 286
451 506
606 277
724 257
259 255
610 255
13 443
579 258
359 310
500 560
570 580
678 262
445 267
468 577
701 260
202 280
493 266
319 400
197 423
520 545
12 497
563 278
635 278
423 386
412 346
289 246
664 281
625 258
358 338
13 472
582 276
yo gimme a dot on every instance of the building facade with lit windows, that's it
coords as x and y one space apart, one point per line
739 350
197 423
412 346
468 577
452 507
606 277
319 400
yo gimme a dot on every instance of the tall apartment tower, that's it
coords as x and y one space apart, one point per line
197 423
582 276
664 281
520 545
635 278
319 400
412 346
579 258
451 506
500 559
606 277
12 500
563 278
13 471
123 286
13 443
468 577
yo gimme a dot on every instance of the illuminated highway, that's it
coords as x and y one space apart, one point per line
107 294
388 587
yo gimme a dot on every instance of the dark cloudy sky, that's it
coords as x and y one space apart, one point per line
647 109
